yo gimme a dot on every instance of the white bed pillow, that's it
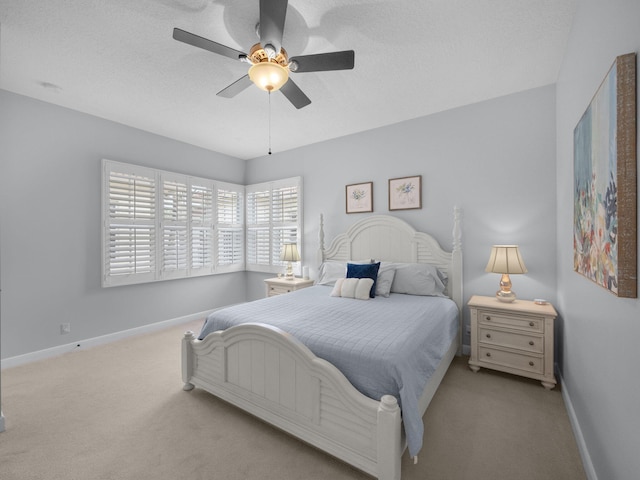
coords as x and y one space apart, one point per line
330 271
385 280
358 288
417 279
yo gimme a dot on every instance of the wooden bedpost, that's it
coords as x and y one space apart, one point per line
187 360
389 439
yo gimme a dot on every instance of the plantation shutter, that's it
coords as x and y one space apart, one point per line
202 226
274 217
284 201
258 227
129 225
160 225
175 213
230 223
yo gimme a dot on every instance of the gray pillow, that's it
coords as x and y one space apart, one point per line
417 279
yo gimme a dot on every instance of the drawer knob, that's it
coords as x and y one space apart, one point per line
488 335
531 342
531 324
487 318
531 364
488 354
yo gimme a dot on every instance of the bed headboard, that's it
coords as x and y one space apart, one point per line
383 237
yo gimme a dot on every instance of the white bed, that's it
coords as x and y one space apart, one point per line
272 375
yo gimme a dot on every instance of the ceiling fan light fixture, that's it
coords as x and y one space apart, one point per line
268 76
270 66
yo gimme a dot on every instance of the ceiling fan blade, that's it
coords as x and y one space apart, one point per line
236 87
325 61
210 45
294 94
272 16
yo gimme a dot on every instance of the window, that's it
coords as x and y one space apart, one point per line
274 217
161 225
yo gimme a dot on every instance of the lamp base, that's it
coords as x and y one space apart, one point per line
289 273
506 297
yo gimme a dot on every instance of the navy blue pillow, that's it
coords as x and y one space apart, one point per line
364 270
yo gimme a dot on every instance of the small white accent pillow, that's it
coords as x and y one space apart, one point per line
357 288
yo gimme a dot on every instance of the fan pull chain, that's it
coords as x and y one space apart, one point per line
269 122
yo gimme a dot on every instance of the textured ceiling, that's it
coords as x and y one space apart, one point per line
117 59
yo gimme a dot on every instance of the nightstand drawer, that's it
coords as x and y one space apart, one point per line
523 322
280 286
279 290
530 343
512 360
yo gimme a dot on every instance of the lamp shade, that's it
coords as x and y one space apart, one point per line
290 253
506 259
268 76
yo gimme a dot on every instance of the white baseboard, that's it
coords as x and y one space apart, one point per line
93 342
577 432
466 350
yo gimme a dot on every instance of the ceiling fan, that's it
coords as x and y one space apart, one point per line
270 64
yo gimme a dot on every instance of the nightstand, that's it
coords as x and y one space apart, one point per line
513 337
278 286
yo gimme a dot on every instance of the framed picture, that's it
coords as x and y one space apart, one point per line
405 193
604 172
359 197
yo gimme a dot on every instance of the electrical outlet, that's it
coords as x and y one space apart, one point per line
65 328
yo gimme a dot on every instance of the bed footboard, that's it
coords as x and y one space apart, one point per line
272 375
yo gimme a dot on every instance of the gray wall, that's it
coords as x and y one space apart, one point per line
600 332
494 159
50 182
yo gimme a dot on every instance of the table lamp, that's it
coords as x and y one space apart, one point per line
289 254
505 259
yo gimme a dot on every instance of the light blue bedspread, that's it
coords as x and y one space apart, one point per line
384 346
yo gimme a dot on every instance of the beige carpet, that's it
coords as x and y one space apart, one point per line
119 412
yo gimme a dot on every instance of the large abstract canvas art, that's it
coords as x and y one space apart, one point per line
605 218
